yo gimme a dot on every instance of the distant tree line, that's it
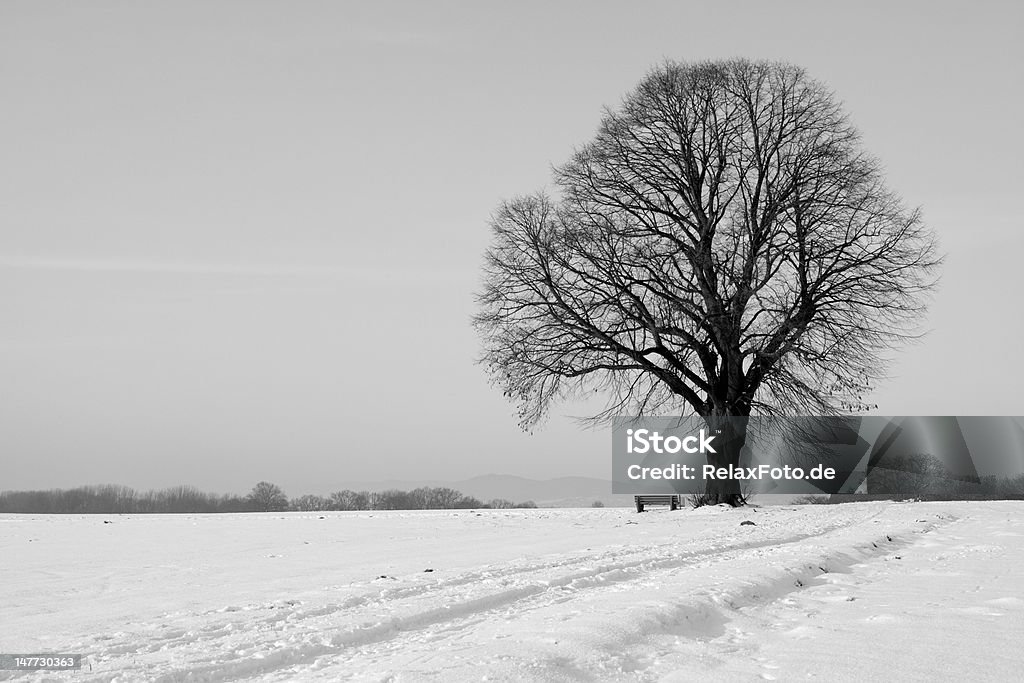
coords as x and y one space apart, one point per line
423 498
111 499
264 497
920 476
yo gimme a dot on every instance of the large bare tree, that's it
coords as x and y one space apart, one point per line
722 247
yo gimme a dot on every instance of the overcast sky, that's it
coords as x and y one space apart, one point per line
240 241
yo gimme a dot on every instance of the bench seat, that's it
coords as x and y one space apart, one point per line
657 499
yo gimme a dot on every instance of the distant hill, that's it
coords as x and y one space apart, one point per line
558 492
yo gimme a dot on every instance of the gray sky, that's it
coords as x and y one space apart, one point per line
240 241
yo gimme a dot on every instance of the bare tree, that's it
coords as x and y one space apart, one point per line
440 498
444 498
349 500
310 503
722 247
267 497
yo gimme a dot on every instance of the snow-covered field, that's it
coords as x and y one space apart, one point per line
859 592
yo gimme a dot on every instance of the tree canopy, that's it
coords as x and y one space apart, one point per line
723 246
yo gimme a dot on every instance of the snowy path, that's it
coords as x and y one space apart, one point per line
533 594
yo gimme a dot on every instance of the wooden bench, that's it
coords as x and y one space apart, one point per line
671 500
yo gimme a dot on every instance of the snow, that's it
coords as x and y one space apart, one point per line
866 591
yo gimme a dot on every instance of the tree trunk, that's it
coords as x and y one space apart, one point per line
730 434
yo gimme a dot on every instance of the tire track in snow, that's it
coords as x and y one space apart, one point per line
295 636
687 610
